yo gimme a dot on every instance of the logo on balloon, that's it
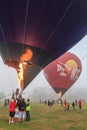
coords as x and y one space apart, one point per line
63 72
70 68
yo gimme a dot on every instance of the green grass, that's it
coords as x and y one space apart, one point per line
46 118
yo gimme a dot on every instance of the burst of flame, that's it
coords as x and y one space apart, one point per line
27 56
60 94
20 76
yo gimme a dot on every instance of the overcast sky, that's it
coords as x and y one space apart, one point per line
8 79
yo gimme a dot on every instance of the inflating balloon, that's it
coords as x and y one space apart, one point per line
33 33
63 72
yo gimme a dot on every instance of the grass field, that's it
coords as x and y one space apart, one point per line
46 118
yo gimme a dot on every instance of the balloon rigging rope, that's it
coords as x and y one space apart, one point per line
39 28
4 40
41 21
58 24
25 25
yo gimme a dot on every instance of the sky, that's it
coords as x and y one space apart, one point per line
9 79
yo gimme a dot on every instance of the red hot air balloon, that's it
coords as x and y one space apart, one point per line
63 72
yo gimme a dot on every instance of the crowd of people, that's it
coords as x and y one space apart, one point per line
19 109
64 103
74 104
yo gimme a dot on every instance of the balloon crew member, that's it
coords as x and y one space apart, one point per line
28 110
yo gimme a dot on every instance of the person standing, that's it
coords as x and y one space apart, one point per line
12 106
73 105
28 110
21 106
80 104
67 108
65 103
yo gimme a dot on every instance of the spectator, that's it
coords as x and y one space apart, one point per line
12 106
65 103
22 106
80 104
73 105
28 110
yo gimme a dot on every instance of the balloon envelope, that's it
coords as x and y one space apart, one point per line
47 28
63 72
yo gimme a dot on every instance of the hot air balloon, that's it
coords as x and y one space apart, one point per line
33 33
63 72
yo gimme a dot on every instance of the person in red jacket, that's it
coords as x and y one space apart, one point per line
12 106
80 104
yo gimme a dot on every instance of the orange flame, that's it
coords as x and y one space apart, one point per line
27 56
60 93
20 76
